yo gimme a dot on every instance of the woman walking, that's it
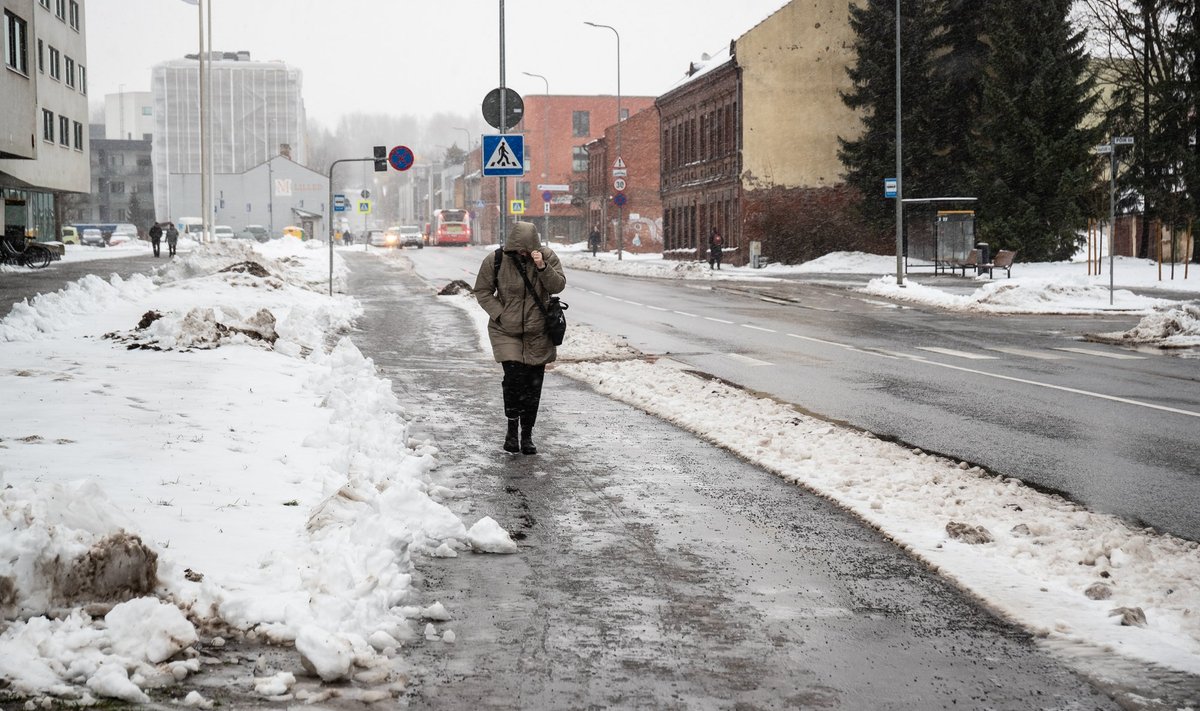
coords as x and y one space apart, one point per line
505 287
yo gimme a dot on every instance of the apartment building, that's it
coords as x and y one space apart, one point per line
43 117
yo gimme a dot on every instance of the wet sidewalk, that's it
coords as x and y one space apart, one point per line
658 571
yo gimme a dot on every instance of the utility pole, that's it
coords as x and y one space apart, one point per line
899 166
502 237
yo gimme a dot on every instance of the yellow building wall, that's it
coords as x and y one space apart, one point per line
793 68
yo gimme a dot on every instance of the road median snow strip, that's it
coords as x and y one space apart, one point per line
1029 555
1019 297
216 483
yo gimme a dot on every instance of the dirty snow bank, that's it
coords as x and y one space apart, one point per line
1167 327
1019 297
260 484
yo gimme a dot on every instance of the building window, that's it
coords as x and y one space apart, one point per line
117 187
55 65
82 79
64 131
60 9
581 124
579 159
70 71
579 189
75 15
45 3
116 159
78 136
524 191
147 111
47 125
16 43
624 114
41 57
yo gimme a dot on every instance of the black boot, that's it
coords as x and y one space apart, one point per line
527 420
510 439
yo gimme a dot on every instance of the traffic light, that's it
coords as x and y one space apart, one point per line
381 162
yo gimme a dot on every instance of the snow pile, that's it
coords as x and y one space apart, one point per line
1018 297
1167 327
264 486
653 265
1057 569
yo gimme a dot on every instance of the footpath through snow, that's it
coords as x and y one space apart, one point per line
201 456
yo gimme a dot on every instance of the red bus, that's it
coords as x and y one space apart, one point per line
451 227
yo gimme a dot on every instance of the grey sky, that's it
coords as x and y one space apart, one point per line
404 57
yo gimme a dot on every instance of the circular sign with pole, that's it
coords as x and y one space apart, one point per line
546 196
365 194
619 184
401 158
514 108
619 199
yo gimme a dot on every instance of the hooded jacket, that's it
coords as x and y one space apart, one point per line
516 326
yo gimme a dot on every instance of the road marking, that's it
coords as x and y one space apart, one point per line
773 300
718 320
956 354
612 298
1102 354
632 302
1040 355
842 345
685 313
759 328
752 362
656 308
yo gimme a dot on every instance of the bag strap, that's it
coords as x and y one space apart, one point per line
496 267
536 298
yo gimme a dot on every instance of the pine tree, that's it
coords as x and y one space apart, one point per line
1032 162
958 70
869 158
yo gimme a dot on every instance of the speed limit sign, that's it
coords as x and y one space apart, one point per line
619 184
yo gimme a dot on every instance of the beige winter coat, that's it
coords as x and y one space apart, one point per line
516 327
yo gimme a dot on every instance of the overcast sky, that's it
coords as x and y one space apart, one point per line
404 57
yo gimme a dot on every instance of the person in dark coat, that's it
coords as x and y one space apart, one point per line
517 328
156 233
715 244
594 239
172 238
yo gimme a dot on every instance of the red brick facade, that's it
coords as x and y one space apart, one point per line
642 214
557 130
701 165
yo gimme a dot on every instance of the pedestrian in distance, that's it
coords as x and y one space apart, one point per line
715 244
594 239
156 233
505 288
347 238
172 238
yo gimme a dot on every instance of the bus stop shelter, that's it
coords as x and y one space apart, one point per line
938 232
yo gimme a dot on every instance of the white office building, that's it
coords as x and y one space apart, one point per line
258 113
129 116
43 113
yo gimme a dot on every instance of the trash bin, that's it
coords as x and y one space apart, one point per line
985 253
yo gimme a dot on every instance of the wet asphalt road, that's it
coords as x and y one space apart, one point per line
657 571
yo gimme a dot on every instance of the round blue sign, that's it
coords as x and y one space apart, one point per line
619 199
401 158
546 196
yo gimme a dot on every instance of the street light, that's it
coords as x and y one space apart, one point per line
620 208
899 166
457 128
545 151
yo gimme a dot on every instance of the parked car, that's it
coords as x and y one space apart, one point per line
382 238
70 235
121 237
92 238
223 232
410 236
258 233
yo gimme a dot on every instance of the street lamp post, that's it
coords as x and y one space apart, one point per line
899 166
620 208
545 152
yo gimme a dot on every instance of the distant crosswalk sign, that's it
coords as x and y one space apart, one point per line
504 154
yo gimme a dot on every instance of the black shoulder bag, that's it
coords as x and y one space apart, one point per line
552 313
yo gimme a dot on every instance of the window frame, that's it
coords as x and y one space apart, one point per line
47 125
16 43
60 9
44 3
581 124
69 71
55 63
64 131
78 131
41 56
83 80
576 160
73 14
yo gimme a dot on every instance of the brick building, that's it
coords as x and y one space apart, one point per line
557 130
643 213
701 160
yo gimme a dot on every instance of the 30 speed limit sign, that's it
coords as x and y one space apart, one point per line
619 184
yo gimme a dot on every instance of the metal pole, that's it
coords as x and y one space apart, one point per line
899 166
204 187
330 204
212 171
620 208
503 129
1112 218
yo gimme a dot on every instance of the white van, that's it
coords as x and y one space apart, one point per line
190 227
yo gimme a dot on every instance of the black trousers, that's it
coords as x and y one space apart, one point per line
155 243
522 387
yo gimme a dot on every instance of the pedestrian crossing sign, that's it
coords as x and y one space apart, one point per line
504 155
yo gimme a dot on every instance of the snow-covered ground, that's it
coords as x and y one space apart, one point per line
205 439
